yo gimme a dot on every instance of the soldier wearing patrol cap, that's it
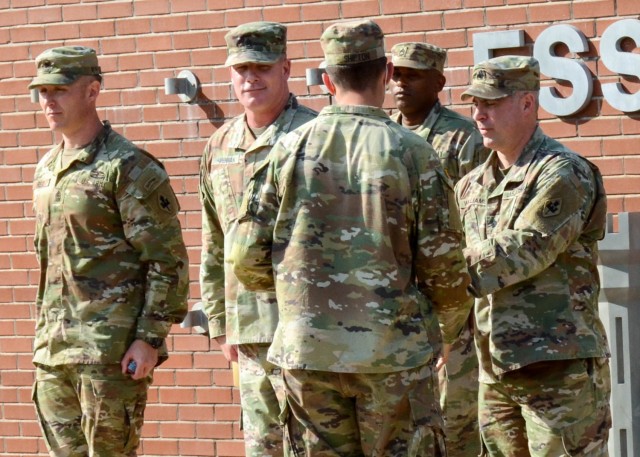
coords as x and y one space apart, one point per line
532 214
241 321
349 222
114 274
416 83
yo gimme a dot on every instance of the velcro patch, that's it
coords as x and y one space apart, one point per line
552 207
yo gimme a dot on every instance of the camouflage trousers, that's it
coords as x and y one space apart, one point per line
552 409
262 398
89 410
357 415
459 397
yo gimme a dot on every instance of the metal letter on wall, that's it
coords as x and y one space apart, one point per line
574 71
619 299
485 43
621 62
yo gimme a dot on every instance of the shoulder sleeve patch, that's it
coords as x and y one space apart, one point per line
146 180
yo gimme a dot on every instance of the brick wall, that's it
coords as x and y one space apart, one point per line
193 408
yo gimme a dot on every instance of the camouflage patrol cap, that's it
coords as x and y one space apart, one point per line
263 42
62 66
502 76
421 56
348 43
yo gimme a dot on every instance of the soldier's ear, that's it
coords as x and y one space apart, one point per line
326 79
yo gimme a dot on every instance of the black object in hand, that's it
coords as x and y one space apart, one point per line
131 368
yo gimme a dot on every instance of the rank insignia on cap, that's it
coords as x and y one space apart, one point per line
552 207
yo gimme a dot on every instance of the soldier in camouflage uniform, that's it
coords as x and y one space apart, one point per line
242 321
416 82
113 268
349 222
532 214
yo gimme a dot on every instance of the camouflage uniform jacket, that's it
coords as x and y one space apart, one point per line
353 220
532 250
113 265
455 139
230 159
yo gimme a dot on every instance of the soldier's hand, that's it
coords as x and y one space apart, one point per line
442 360
144 356
230 351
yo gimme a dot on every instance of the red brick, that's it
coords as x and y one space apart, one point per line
12 17
400 7
79 13
27 34
148 7
322 11
561 11
133 26
224 4
283 14
206 21
191 412
97 29
360 8
622 184
597 127
422 22
462 19
188 5
229 448
507 16
621 146
169 24
62 31
197 447
234 18
45 15
115 9
160 447
628 7
593 8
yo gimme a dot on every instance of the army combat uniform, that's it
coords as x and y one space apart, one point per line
248 319
460 148
350 223
531 246
113 269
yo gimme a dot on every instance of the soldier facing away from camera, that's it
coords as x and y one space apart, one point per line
350 223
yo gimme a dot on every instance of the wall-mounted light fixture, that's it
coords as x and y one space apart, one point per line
35 95
314 76
186 86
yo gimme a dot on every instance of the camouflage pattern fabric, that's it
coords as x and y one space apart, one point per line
459 146
263 402
455 139
531 240
353 42
260 42
230 159
354 414
531 249
113 264
64 65
421 56
555 408
90 410
503 76
352 220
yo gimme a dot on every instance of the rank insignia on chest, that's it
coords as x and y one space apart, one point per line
552 207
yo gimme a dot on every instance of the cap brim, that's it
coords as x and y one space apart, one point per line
485 92
53 79
253 56
407 63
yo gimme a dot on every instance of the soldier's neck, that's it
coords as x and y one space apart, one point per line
84 135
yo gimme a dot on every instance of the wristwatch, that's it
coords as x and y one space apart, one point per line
155 343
